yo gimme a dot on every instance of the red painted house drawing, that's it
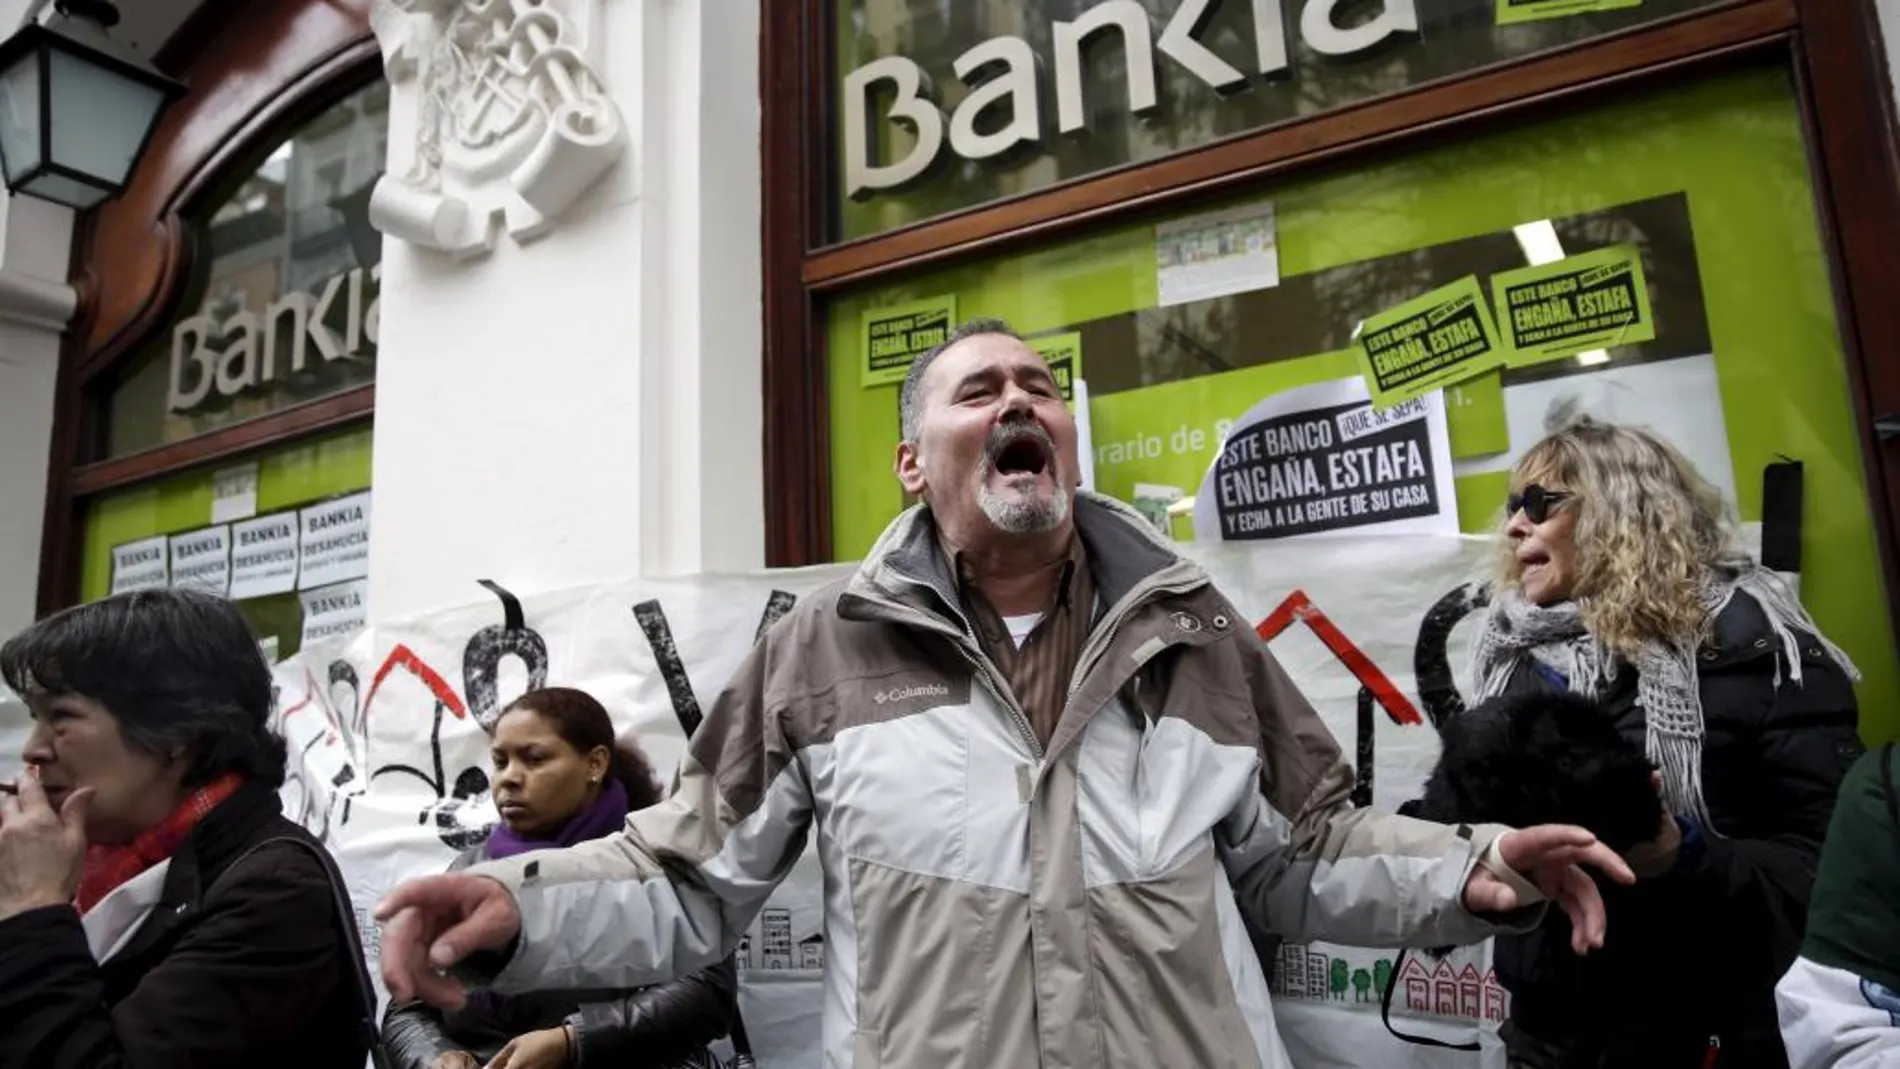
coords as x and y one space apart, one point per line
1445 992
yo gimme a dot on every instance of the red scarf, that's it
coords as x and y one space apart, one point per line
109 866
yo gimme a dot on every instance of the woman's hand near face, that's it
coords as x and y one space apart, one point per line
42 851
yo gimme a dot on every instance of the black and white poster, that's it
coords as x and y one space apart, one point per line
264 556
201 560
335 542
1320 460
141 565
335 611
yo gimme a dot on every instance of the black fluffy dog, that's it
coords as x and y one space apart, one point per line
1542 759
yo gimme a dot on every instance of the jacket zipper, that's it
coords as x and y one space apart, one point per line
1092 652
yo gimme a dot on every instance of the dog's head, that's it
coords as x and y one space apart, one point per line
1542 759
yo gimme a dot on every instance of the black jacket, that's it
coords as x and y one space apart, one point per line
1696 952
640 1028
233 973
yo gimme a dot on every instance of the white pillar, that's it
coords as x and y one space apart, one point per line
35 306
581 405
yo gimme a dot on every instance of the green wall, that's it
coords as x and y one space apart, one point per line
1733 146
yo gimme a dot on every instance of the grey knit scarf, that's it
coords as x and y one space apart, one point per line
1666 686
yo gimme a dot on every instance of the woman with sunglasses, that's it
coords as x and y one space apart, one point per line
1620 578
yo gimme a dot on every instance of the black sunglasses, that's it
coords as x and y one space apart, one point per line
1536 502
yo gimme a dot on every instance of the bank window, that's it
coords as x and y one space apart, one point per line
946 106
273 564
1700 193
282 304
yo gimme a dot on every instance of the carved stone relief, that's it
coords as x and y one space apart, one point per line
511 122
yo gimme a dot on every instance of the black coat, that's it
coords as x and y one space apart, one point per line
1696 952
235 973
638 1028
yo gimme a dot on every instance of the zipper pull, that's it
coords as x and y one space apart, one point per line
1715 1052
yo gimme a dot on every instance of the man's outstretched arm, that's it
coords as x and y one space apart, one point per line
670 894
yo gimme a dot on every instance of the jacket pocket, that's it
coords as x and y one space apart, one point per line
867 1050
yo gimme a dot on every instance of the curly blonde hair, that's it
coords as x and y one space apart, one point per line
1650 531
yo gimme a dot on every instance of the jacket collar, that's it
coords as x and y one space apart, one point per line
1125 554
219 839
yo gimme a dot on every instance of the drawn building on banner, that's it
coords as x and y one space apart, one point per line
811 951
775 939
1446 991
1440 989
743 956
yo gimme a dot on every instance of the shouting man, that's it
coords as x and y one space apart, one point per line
1050 768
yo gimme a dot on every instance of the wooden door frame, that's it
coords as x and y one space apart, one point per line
255 71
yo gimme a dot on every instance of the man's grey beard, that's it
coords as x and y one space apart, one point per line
1033 516
1018 516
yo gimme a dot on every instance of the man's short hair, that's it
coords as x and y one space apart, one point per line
178 669
910 403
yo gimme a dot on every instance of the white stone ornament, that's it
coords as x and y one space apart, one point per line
510 121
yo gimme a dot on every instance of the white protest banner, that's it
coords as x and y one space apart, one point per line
333 611
141 565
387 732
201 560
1320 460
335 543
264 556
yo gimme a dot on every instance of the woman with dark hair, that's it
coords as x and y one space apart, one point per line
560 779
156 908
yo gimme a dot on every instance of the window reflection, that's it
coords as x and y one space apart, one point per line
1454 36
283 272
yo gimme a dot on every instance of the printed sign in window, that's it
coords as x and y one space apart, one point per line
895 336
1446 336
1593 301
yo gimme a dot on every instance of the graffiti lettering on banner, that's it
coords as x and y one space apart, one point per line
335 542
1321 460
201 560
1592 301
895 335
1446 336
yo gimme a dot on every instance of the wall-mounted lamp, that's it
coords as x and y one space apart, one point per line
76 108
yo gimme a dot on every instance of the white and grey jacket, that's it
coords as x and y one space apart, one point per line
991 903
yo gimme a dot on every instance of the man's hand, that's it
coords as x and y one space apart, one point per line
42 851
431 923
1551 857
549 1048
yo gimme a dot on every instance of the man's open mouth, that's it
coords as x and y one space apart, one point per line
1022 454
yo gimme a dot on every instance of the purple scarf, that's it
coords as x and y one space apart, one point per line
601 819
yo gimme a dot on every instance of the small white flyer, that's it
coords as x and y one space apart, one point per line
201 560
335 611
264 556
1217 254
234 493
334 545
141 565
1319 460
